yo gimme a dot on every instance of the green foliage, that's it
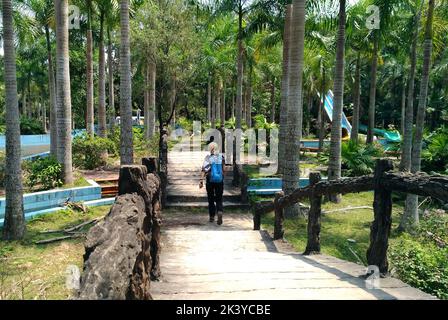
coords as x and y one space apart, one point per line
357 159
185 124
44 173
421 261
89 151
31 126
435 156
260 122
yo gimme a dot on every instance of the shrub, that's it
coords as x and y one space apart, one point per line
31 126
89 151
44 173
421 261
435 156
357 159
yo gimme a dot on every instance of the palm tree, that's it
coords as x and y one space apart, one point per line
411 208
89 63
63 95
101 76
284 89
150 98
295 105
14 226
334 166
356 99
126 140
406 148
373 85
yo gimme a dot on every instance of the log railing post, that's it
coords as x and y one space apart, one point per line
314 218
279 217
163 167
380 228
151 164
257 219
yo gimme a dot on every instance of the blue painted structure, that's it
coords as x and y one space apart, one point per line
270 186
29 140
40 202
328 106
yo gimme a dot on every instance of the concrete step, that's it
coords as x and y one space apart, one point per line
204 205
181 198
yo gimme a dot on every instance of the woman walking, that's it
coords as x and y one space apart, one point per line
213 171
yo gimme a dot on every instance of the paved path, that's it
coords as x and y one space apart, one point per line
201 260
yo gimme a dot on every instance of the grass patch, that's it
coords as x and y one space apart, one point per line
30 271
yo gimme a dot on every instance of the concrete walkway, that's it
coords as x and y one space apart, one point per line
201 260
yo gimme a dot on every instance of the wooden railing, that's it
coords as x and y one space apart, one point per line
383 182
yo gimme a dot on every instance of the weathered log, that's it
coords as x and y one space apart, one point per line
420 184
380 228
122 252
150 164
279 217
117 261
314 218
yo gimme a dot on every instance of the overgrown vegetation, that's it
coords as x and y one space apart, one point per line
357 159
43 173
435 156
90 152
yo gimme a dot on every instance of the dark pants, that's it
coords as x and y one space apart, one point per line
214 195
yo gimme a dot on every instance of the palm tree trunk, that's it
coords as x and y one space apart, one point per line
101 81
322 111
356 100
412 200
218 102
14 225
152 100
223 105
240 71
126 140
273 106
52 89
291 173
209 100
110 67
334 166
403 106
63 94
249 101
372 97
406 146
89 62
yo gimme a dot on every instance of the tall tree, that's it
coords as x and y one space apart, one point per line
356 99
89 71
63 94
284 89
334 166
411 208
291 173
14 226
126 140
373 87
102 75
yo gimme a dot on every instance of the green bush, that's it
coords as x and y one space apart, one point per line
435 155
44 173
357 159
31 126
421 261
89 151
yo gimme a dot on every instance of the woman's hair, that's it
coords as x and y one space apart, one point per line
213 147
